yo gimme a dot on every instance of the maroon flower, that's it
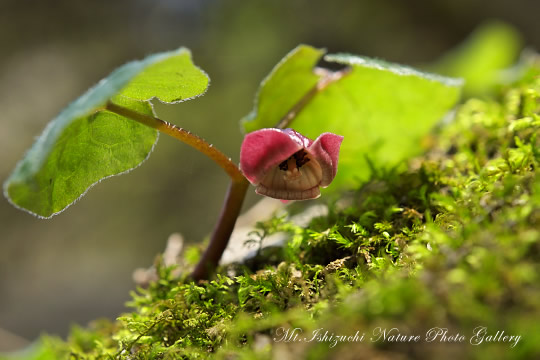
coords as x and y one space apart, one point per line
285 164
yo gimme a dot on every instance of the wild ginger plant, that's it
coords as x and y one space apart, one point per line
382 109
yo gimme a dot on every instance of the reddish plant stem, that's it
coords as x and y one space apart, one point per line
183 135
328 77
222 231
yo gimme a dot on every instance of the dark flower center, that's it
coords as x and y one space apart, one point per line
300 158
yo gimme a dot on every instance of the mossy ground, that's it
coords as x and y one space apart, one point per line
452 241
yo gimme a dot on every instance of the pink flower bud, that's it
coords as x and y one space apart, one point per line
285 164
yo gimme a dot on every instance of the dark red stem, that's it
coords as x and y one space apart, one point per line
222 231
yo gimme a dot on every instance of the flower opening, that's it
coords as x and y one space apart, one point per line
284 164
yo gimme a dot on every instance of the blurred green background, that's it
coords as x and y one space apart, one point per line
78 266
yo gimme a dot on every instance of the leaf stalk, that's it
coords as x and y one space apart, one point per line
327 77
182 135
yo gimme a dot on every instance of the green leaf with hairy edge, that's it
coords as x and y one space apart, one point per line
85 144
171 80
382 109
290 79
89 149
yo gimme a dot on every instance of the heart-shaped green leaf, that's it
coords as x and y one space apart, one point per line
85 144
382 109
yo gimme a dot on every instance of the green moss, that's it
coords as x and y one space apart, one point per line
453 241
